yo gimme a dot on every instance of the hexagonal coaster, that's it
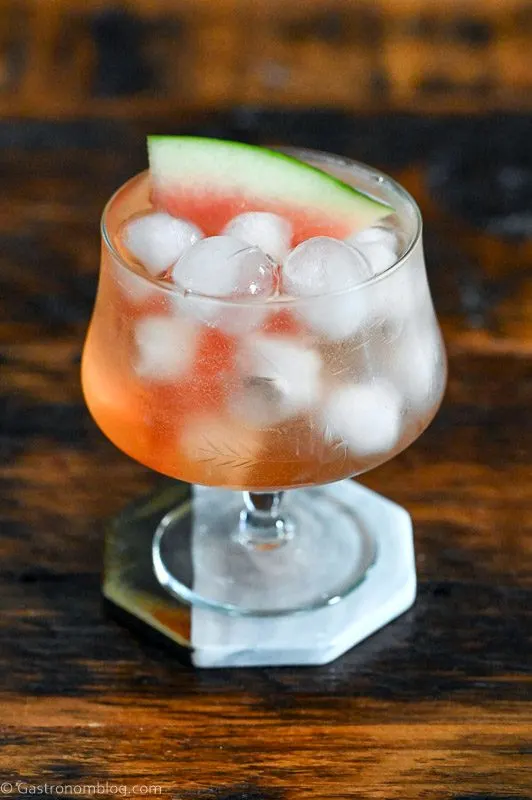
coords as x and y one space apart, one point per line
212 639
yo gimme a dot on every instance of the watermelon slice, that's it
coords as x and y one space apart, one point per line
210 181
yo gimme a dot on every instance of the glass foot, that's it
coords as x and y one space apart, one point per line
364 540
203 556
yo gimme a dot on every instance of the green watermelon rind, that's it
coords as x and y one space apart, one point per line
195 163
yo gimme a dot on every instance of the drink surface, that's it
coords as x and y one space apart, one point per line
283 393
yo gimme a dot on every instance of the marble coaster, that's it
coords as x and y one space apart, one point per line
211 639
314 637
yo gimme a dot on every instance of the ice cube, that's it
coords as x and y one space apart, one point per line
414 364
258 403
157 239
270 232
373 234
324 270
379 256
166 347
378 245
136 288
322 265
280 378
225 267
366 416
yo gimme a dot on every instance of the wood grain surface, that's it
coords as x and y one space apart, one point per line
437 705
136 58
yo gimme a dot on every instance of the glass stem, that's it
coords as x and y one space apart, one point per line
261 525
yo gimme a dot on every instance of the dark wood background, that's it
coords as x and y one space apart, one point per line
437 705
134 58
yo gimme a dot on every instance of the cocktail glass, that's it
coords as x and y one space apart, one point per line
163 377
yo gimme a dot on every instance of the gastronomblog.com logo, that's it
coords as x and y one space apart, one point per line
82 789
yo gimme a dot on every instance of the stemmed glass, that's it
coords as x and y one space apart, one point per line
169 378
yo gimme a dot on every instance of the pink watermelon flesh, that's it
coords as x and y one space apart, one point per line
211 211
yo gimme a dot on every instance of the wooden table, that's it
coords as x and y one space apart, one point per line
437 705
